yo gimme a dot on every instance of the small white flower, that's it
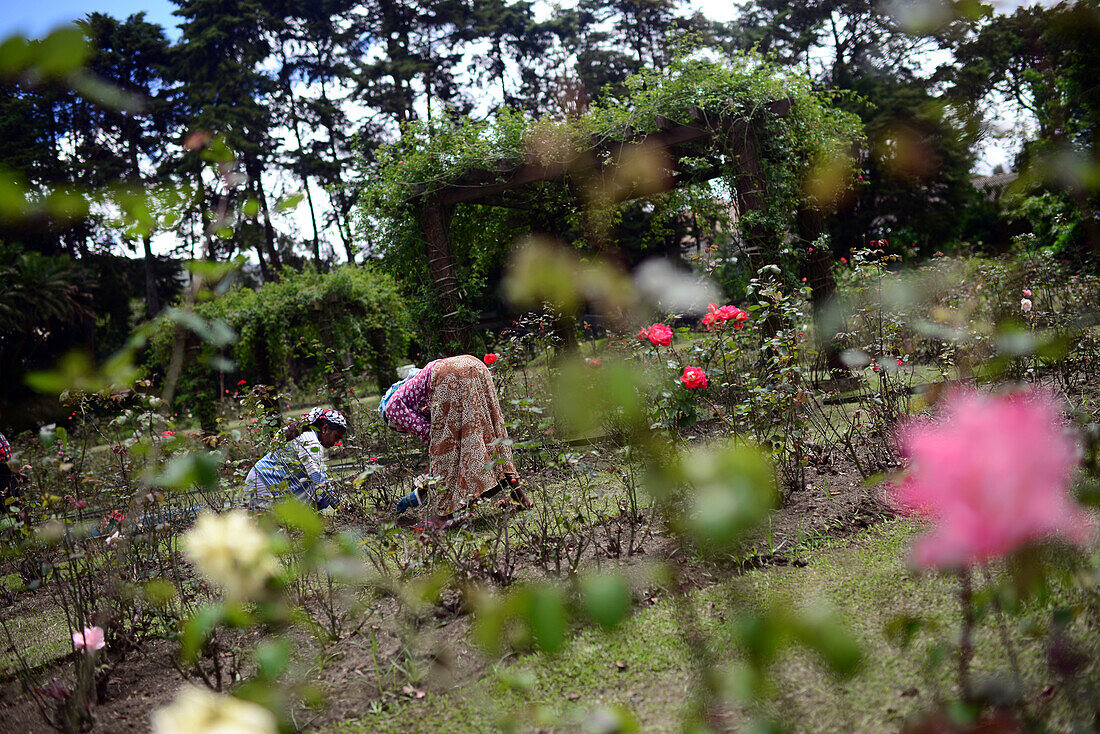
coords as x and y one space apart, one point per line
1025 304
198 711
232 551
111 539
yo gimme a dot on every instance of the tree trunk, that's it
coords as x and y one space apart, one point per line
313 220
269 231
304 176
265 271
334 197
751 193
341 224
204 215
152 299
434 218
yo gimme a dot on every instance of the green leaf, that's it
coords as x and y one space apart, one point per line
159 593
293 513
615 719
520 679
273 657
734 489
287 203
46 434
221 364
901 629
606 598
211 271
193 468
15 55
545 617
213 331
489 619
62 52
198 629
76 371
821 631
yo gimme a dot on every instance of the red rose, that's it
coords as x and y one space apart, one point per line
242 382
490 358
166 434
732 313
660 335
694 378
643 334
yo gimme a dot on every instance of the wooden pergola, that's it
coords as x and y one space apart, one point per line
703 136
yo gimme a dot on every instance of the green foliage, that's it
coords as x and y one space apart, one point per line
305 327
429 157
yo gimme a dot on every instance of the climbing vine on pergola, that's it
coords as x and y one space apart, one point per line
431 206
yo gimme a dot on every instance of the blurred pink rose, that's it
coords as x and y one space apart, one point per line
992 473
1027 292
90 639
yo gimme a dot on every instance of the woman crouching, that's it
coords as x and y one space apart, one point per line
452 406
297 465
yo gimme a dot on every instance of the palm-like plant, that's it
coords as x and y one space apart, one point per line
38 294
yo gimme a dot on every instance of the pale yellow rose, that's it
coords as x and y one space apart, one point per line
232 551
198 711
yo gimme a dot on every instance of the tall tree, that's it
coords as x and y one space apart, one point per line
219 65
1043 61
134 56
314 44
916 168
418 47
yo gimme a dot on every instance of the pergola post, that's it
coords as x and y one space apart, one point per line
819 274
750 191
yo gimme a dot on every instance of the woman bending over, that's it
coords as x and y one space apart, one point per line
297 465
452 406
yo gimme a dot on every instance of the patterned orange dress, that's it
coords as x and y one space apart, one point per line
468 446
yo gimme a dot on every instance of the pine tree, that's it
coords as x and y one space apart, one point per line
133 55
218 64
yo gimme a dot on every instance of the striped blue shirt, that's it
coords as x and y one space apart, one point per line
297 466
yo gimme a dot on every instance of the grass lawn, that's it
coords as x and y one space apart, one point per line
645 666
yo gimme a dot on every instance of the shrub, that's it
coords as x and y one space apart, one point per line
310 327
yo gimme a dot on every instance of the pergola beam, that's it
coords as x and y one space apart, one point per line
486 183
